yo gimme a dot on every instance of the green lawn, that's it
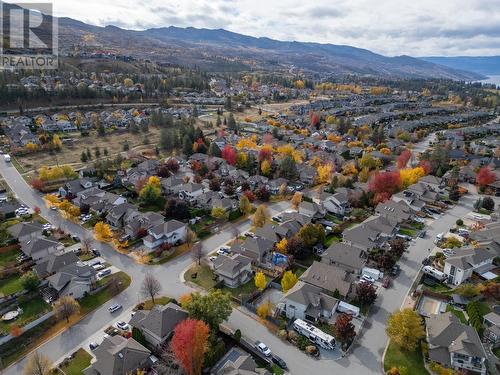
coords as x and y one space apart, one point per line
331 238
412 361
178 251
148 305
276 370
408 232
245 289
32 309
204 276
79 362
93 301
9 257
483 308
459 314
497 352
439 288
10 285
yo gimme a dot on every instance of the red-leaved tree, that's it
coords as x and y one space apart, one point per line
37 184
485 176
314 119
403 159
141 182
265 153
344 329
267 138
385 183
189 345
426 166
229 154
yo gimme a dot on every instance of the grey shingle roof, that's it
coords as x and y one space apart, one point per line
327 277
344 255
160 320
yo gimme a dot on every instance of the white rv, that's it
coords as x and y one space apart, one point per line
314 334
434 273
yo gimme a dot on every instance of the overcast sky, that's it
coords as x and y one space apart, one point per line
390 27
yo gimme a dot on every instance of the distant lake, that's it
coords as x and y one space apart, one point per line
492 79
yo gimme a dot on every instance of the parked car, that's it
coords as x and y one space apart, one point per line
422 233
386 282
98 267
114 308
249 234
96 252
395 270
261 347
367 279
53 208
277 219
93 345
105 272
212 258
448 253
122 325
277 360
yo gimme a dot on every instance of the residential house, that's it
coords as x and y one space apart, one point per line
75 280
337 204
20 135
191 191
492 331
54 262
307 174
135 221
117 356
313 210
345 256
459 267
308 302
371 234
158 324
205 199
453 344
171 232
25 232
332 280
116 215
143 170
97 200
258 249
171 185
237 362
233 270
424 192
410 198
8 209
399 212
71 188
276 233
40 247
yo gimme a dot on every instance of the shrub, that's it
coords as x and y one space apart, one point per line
460 222
237 335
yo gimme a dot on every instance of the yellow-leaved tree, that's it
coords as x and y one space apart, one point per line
410 176
405 328
102 231
296 199
282 245
325 172
260 280
261 216
288 281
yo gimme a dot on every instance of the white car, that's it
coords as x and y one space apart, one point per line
114 308
212 258
99 267
223 251
122 325
261 347
367 279
53 208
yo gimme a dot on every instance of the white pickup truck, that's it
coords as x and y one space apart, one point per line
7 158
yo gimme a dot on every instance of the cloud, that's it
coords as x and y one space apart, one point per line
390 27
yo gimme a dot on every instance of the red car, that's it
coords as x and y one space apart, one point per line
386 282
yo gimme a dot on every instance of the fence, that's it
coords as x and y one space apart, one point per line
28 326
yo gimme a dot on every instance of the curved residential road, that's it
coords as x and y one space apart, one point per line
365 357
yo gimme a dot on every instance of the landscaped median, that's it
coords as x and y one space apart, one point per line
20 346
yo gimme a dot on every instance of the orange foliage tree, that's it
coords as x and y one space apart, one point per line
189 345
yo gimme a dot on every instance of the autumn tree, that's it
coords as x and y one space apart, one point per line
410 176
288 167
265 309
219 213
485 177
403 159
38 364
261 216
213 308
229 154
405 328
344 329
15 330
366 293
260 280
265 167
281 246
288 281
325 172
384 184
102 231
311 234
150 287
265 153
296 200
66 306
37 184
30 281
189 345
245 205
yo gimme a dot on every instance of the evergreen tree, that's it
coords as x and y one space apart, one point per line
187 146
